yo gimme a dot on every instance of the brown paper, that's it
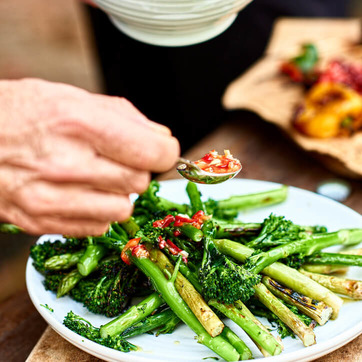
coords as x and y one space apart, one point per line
264 91
51 347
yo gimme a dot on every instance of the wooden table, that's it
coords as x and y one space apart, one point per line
265 154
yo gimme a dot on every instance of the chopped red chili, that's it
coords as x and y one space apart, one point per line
164 222
177 233
178 220
172 248
140 252
215 163
161 242
130 245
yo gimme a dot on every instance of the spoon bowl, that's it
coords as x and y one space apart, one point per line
192 172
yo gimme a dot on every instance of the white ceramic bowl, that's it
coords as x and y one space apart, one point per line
172 23
173 7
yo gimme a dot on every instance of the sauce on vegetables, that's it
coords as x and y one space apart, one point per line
135 248
178 220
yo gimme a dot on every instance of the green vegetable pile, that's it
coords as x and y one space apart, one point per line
196 263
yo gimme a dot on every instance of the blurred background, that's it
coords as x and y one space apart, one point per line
49 40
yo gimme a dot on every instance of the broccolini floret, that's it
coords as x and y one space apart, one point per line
110 289
85 329
41 252
220 277
52 279
260 310
276 230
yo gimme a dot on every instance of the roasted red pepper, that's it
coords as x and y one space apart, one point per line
292 71
199 218
172 248
344 73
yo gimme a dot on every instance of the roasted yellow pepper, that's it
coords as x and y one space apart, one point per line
330 110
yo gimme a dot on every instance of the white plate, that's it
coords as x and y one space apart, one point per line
303 207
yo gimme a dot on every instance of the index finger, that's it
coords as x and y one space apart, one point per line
137 146
119 134
124 105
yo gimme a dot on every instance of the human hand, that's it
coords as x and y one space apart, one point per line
69 158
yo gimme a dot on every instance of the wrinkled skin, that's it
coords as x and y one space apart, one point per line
69 158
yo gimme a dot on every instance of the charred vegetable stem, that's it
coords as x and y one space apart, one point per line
209 320
305 333
349 287
318 311
254 331
335 259
64 261
169 293
133 315
234 229
89 260
285 275
237 343
259 199
306 246
68 282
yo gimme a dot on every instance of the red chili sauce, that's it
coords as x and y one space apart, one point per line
214 163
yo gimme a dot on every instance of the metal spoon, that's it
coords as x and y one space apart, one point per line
192 172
